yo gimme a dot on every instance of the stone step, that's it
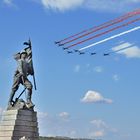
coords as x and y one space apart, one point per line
19 123
17 138
18 134
19 128
20 112
19 117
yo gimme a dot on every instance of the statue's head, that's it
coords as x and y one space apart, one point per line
23 54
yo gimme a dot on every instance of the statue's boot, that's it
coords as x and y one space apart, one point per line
29 101
10 103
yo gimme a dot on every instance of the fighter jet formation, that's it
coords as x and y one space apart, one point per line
70 43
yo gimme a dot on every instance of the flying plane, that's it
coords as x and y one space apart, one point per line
65 48
57 42
106 54
69 52
61 44
76 50
80 53
93 53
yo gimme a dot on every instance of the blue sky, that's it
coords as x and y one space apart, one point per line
77 96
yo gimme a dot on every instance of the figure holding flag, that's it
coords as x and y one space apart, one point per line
24 69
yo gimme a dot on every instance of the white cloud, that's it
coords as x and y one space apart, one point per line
61 5
62 124
116 77
64 115
95 97
98 69
96 134
130 52
77 68
122 46
99 123
98 5
101 128
8 2
73 133
112 5
42 115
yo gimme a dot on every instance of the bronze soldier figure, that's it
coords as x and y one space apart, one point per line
20 77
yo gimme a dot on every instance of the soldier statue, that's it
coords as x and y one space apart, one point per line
21 77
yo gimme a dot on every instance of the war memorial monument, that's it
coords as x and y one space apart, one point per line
19 120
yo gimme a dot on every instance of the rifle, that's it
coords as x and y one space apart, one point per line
16 100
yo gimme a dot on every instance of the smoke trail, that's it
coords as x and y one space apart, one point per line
135 12
120 49
108 31
110 38
102 27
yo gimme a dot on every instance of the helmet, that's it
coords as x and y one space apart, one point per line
23 52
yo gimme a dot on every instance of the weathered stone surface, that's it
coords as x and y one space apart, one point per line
19 112
19 128
20 117
16 138
17 124
24 138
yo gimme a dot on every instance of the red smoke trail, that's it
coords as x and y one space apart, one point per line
115 28
102 27
128 14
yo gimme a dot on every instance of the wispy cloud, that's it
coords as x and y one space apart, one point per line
95 97
131 52
62 5
97 134
112 5
97 5
42 115
62 124
100 128
116 77
56 124
77 68
122 46
99 123
98 69
8 2
64 115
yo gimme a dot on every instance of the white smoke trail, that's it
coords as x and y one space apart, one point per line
110 38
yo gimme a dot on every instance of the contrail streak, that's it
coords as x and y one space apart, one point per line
102 27
121 49
135 12
110 38
105 32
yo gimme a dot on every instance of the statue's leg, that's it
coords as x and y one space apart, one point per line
29 87
15 87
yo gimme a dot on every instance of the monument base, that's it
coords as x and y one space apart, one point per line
17 124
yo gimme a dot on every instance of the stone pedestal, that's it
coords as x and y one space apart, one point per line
17 124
